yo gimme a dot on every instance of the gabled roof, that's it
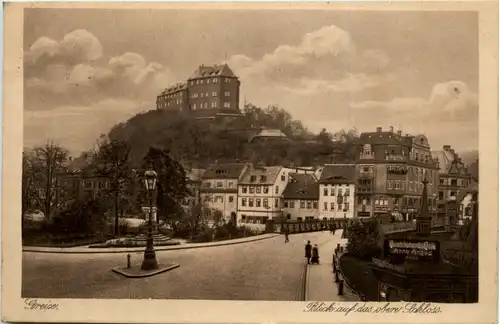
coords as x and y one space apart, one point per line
213 70
301 186
449 162
263 175
270 134
338 174
224 171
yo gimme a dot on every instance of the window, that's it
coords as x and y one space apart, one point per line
251 189
315 204
257 189
243 218
340 191
283 178
206 104
389 184
339 207
332 191
231 199
219 199
292 204
206 94
253 178
266 189
332 206
206 184
348 192
346 206
263 178
220 184
230 184
276 190
276 203
325 191
265 202
367 149
214 93
285 203
441 195
302 204
243 189
201 95
325 205
250 202
214 104
257 202
309 204
227 105
397 186
227 94
243 202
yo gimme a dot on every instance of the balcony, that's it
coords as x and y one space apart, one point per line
370 156
395 157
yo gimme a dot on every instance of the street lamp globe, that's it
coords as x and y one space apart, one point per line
150 177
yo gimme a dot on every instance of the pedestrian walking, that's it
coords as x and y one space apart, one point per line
308 252
286 232
315 254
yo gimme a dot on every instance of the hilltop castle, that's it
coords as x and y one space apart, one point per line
210 92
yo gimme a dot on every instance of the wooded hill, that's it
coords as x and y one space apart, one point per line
201 142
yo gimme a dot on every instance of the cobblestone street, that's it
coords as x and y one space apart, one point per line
261 270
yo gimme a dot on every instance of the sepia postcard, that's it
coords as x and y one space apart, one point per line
250 162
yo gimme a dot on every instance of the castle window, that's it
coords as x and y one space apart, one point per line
214 104
227 105
194 106
227 93
202 94
214 93
206 104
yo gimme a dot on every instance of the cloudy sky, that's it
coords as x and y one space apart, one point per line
85 70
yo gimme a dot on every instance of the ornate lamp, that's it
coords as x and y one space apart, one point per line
149 262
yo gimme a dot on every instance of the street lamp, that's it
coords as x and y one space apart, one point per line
149 262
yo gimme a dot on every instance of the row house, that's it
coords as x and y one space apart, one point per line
337 191
390 168
260 193
219 189
300 197
454 178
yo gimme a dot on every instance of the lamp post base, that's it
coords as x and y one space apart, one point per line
149 262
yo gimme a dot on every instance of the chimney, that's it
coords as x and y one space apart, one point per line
399 133
391 129
379 129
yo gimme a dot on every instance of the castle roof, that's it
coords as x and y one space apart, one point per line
213 70
174 89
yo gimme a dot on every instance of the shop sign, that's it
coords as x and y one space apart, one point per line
412 249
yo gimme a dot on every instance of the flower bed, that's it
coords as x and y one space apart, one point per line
126 242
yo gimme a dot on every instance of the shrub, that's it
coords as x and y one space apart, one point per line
363 239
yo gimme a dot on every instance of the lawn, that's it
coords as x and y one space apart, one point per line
360 276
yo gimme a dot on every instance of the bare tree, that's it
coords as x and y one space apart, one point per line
45 164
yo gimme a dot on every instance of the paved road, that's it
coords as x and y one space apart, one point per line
262 270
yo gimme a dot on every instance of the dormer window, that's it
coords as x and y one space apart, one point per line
367 149
253 178
263 178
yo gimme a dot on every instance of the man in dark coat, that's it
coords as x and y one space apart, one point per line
286 232
308 252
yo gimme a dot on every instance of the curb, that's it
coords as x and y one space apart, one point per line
123 271
137 250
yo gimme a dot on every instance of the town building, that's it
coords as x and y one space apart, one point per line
337 191
300 197
211 91
219 189
193 184
454 179
78 185
465 200
260 192
390 168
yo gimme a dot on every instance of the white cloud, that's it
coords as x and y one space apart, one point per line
79 44
450 100
77 127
